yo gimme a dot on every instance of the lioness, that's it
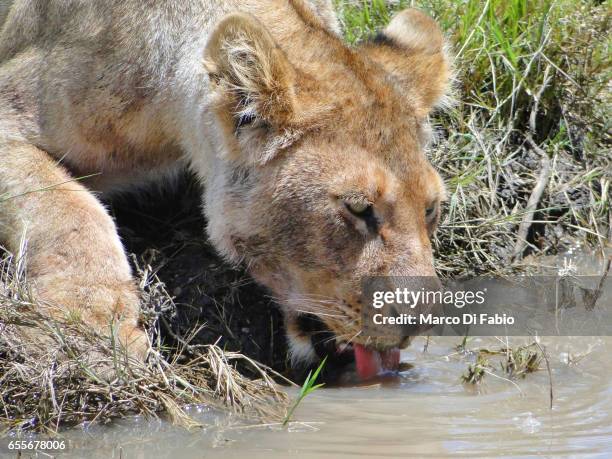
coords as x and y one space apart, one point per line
311 152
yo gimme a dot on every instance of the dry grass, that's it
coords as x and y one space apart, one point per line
55 373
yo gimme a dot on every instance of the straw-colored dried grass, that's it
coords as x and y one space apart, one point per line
58 372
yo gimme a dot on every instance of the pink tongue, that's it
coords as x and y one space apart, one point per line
370 362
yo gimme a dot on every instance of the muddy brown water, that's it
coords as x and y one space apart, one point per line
426 412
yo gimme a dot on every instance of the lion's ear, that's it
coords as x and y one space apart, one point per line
412 49
251 71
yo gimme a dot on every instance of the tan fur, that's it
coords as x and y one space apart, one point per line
284 124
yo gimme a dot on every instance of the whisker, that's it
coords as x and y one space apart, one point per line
320 314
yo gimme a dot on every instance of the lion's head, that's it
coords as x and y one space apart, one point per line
321 177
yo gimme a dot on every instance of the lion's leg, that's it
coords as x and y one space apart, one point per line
74 258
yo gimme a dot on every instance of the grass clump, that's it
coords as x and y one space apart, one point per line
514 362
525 151
58 372
476 372
521 361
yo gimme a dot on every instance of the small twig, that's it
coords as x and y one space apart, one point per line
426 345
534 199
592 296
490 373
550 380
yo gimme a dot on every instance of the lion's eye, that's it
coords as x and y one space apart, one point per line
364 211
359 208
245 120
430 212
